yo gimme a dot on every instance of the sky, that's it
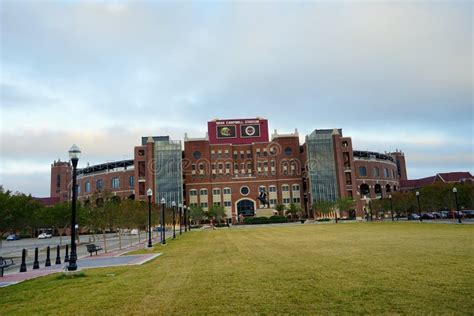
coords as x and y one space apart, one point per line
101 74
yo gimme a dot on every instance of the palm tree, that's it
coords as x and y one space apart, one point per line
280 208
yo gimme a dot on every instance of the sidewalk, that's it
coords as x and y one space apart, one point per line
102 260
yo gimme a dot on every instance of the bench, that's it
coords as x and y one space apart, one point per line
93 248
5 263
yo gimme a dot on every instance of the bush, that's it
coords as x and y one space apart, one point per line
324 220
278 219
265 220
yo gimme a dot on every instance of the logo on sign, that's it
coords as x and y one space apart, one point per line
250 130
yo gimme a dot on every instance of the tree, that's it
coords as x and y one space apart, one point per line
323 207
216 212
280 208
293 210
345 204
196 213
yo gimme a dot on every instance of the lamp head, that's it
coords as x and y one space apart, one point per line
149 192
163 201
173 204
74 152
417 193
180 205
455 190
389 196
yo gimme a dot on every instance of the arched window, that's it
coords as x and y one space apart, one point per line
376 172
387 188
193 192
362 171
227 191
364 189
203 192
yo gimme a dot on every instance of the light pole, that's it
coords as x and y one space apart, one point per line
185 220
455 191
149 193
370 208
391 206
419 208
180 210
74 154
173 204
163 237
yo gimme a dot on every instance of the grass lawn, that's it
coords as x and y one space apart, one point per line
371 268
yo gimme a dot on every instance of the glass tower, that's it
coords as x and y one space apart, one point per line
168 173
322 165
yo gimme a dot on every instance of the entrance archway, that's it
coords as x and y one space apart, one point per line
246 207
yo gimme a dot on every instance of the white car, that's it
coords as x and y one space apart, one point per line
44 236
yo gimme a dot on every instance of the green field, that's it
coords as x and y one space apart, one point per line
370 268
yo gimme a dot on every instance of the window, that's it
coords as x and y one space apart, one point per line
362 171
115 183
242 156
78 189
141 168
244 190
249 154
227 191
227 203
385 172
58 181
285 188
87 187
216 191
288 151
203 192
235 156
141 152
272 188
193 166
131 181
295 187
272 201
217 203
197 154
296 200
99 184
141 188
376 172
345 143
193 192
286 201
203 204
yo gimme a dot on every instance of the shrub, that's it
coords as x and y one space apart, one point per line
278 219
265 220
324 220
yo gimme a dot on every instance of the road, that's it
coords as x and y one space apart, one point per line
14 248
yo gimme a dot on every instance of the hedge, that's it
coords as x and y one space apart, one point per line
265 220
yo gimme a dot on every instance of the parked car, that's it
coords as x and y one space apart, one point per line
13 237
428 216
469 213
413 217
439 215
44 236
455 214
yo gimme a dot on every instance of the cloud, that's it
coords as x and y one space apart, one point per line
391 74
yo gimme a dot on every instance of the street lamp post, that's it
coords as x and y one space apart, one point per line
74 154
180 210
163 237
149 193
391 206
455 191
370 208
185 219
173 204
419 207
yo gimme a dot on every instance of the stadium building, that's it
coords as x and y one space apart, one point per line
243 168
